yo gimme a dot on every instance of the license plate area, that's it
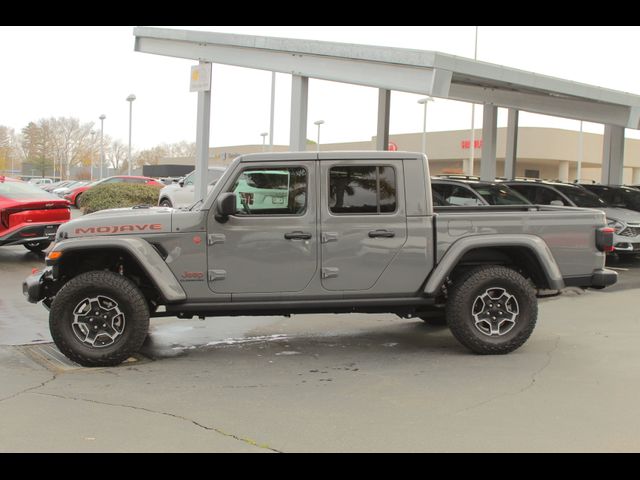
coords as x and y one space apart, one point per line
50 231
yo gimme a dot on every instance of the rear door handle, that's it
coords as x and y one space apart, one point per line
381 234
297 236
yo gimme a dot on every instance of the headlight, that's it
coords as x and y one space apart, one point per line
616 225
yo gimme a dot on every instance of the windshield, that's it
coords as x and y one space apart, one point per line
24 191
495 194
581 197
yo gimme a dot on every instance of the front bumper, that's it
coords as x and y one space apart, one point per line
29 233
627 241
598 279
33 287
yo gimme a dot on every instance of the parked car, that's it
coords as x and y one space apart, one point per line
625 222
616 195
182 193
40 181
74 195
328 232
471 191
49 187
62 190
28 215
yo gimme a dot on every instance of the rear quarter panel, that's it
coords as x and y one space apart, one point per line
569 232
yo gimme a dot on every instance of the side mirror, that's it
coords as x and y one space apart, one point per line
225 206
181 183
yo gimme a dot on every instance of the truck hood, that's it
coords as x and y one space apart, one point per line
622 214
119 221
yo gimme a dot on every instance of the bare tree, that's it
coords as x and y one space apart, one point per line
116 155
9 153
150 156
71 142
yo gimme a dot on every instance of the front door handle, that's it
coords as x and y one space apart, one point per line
381 234
297 236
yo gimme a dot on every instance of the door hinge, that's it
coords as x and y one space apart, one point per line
214 238
330 272
329 237
217 275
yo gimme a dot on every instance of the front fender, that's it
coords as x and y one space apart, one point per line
140 250
457 250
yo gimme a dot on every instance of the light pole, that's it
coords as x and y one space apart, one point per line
264 136
424 101
93 142
101 117
130 99
318 123
580 154
473 117
273 107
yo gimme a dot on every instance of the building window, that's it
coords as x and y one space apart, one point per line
532 173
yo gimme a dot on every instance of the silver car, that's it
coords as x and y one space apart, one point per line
182 194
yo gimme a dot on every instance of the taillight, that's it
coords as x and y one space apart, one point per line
604 239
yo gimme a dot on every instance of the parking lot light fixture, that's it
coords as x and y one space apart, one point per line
424 101
101 117
130 99
318 123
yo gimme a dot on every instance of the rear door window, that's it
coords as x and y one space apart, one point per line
362 190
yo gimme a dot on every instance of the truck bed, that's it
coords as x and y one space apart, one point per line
568 231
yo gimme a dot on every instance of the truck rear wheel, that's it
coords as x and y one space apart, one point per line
492 311
99 319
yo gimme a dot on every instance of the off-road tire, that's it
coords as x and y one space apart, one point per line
469 289
37 247
131 303
165 202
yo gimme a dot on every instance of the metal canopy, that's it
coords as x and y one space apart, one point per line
415 71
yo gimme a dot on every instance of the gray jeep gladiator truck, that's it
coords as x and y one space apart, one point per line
287 233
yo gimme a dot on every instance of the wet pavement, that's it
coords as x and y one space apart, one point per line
328 382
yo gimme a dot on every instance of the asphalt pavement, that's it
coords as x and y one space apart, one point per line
346 383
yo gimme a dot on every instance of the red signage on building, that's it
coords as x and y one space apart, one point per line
466 144
392 147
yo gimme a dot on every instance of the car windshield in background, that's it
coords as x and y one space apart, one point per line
214 175
581 197
499 194
23 191
623 197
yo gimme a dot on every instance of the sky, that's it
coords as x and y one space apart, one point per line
84 72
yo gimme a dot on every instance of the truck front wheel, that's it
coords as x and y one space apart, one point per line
99 319
492 311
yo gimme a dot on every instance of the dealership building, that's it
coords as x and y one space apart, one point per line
548 153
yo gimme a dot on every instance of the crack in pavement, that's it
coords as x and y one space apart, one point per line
534 376
248 441
42 384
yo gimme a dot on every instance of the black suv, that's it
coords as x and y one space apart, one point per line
625 222
616 195
471 191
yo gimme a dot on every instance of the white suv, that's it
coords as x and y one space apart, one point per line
41 182
182 194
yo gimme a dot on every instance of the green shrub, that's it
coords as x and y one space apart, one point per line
118 195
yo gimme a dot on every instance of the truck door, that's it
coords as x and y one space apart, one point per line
363 221
271 244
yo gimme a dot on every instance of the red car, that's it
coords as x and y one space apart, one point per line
76 193
29 216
